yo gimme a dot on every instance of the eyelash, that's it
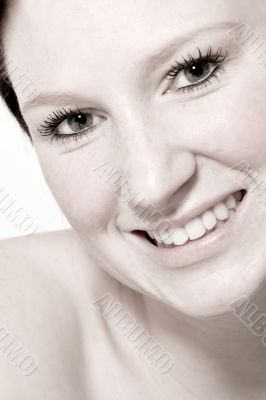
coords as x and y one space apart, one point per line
215 58
48 127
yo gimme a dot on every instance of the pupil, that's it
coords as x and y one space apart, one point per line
78 122
80 119
197 70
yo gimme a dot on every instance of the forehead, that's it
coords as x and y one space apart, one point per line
53 40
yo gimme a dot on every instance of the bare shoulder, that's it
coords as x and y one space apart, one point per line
35 260
48 286
52 258
39 247
48 253
38 268
39 311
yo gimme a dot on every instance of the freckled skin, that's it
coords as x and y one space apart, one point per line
175 150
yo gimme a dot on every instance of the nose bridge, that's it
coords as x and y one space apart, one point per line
153 163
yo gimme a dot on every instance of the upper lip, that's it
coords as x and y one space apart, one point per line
193 213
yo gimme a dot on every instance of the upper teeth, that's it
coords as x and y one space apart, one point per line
197 227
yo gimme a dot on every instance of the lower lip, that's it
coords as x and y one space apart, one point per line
197 250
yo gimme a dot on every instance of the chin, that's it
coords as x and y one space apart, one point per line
214 293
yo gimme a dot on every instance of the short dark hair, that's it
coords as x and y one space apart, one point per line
7 91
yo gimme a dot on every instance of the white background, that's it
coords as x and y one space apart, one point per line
21 178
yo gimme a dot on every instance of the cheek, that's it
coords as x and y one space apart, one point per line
243 116
244 126
229 124
79 186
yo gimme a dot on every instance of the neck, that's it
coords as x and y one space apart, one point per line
221 354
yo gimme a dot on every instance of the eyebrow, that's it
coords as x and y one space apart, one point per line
161 56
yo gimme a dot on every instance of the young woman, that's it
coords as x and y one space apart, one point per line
148 119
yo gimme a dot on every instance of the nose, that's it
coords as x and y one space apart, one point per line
157 169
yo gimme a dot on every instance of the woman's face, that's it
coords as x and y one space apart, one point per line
160 129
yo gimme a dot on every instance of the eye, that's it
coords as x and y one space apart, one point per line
195 72
69 124
76 124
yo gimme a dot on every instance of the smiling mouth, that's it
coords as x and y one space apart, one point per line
199 227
